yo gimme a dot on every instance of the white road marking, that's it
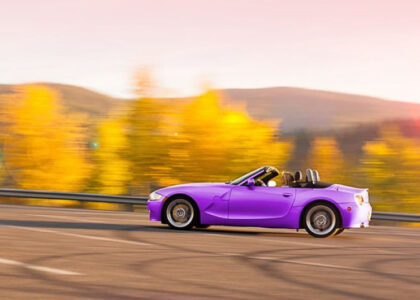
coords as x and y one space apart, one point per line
393 233
282 241
313 264
82 211
37 268
95 220
84 236
87 220
309 263
63 217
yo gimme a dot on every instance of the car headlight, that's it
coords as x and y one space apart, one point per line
155 196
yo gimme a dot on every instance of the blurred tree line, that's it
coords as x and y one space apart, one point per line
150 144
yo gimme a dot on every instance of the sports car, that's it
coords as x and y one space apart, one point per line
255 199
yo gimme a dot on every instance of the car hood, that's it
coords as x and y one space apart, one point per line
192 185
198 184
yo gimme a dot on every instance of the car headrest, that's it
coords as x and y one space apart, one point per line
309 176
316 176
298 176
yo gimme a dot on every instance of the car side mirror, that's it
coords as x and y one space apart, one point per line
272 183
250 182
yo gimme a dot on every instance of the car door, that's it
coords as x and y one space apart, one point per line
259 205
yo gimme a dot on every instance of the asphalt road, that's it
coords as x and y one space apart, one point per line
49 253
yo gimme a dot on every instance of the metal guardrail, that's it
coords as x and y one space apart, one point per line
399 217
134 200
19 193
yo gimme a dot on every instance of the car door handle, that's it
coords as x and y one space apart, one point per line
287 194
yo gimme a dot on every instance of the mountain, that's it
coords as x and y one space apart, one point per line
319 110
298 108
77 99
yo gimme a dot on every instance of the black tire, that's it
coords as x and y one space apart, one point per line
321 220
180 213
339 231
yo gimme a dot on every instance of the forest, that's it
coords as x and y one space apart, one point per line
149 143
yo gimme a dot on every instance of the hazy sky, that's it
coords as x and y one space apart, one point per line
365 47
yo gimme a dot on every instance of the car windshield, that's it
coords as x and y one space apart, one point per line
242 178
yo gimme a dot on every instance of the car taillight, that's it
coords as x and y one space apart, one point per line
359 199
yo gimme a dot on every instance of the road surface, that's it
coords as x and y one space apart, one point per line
53 253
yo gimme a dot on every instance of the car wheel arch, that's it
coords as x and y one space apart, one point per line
320 201
177 196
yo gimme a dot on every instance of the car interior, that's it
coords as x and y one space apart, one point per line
296 180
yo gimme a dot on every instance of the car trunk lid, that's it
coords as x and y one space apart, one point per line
349 189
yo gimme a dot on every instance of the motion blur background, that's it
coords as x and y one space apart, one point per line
154 93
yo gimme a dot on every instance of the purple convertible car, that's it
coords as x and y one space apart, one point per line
254 200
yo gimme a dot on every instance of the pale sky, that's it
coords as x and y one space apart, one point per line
359 46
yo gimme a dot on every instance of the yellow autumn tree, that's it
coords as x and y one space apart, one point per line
214 142
177 141
2 170
147 142
111 168
391 165
43 147
326 157
110 174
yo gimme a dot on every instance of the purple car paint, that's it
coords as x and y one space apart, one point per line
252 200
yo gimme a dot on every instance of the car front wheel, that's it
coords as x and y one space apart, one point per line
180 214
321 220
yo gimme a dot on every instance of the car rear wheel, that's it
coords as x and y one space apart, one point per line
321 220
180 214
